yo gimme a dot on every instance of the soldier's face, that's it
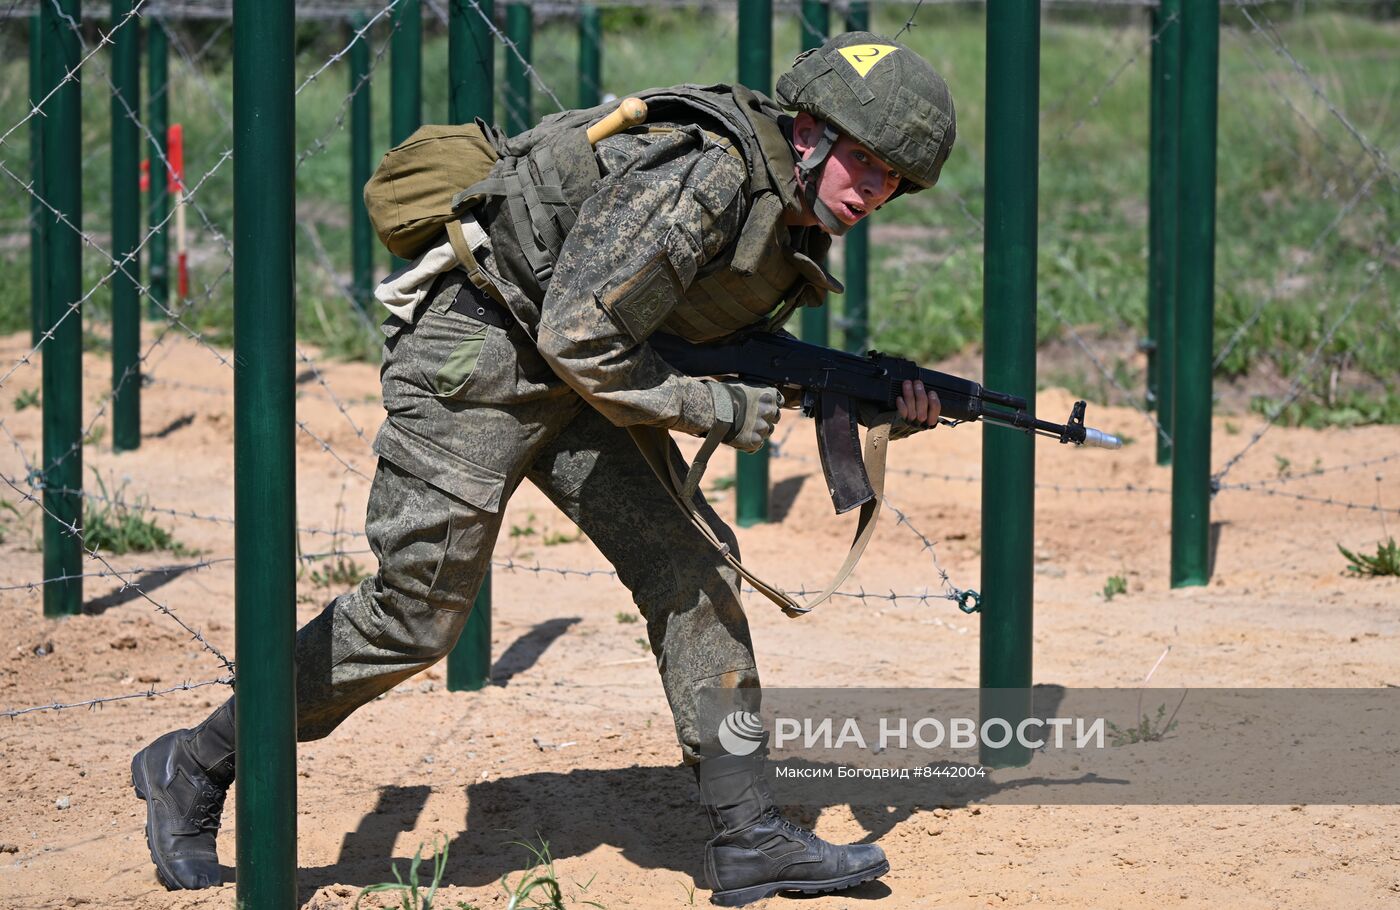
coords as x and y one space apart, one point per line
854 181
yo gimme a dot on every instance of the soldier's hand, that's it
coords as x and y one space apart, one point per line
918 410
755 414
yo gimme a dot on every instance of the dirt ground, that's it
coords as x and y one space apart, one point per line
572 741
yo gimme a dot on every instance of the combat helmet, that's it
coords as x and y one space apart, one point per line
882 95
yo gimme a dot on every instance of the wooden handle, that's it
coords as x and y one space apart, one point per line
630 112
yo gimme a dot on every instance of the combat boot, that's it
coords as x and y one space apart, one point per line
756 853
184 777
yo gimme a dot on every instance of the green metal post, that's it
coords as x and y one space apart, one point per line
471 64
590 56
756 44
472 52
469 661
1191 373
158 203
857 321
265 543
756 72
62 383
126 229
406 71
1162 216
36 161
405 78
361 166
1009 313
815 22
520 28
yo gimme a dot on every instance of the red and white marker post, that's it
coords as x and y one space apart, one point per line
176 175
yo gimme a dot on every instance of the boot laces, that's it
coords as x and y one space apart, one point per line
208 809
804 833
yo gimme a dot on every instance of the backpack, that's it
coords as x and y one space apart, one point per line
414 193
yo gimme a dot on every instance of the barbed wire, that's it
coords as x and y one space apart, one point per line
343 286
74 530
1131 488
1255 487
1152 39
319 144
90 703
1290 477
1276 288
335 399
952 591
1379 168
530 71
175 569
219 235
1129 398
1296 386
144 507
1281 48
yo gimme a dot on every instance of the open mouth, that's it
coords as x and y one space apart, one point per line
856 212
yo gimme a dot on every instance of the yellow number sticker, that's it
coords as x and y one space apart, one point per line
863 57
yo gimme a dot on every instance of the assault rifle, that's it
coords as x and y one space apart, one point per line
838 388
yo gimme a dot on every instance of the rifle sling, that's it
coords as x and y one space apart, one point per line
661 454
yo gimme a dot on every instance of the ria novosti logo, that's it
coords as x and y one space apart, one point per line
741 733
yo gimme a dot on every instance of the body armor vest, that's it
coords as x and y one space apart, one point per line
532 196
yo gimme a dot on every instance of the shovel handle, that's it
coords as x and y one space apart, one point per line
629 113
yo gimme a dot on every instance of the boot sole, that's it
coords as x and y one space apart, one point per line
140 785
738 897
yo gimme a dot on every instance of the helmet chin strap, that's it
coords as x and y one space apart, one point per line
810 168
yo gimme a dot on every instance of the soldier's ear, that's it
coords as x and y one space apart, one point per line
806 130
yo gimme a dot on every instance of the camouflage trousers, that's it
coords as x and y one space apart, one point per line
472 411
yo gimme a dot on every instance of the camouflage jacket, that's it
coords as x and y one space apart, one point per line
681 230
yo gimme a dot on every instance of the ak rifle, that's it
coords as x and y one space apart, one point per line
839 389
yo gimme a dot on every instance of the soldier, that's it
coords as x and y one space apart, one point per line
532 361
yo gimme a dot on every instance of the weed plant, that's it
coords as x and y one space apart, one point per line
112 525
412 895
1148 729
1385 562
29 398
8 523
538 884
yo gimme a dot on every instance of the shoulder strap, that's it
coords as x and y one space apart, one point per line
661 454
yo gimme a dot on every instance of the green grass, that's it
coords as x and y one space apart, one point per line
115 527
1283 179
413 895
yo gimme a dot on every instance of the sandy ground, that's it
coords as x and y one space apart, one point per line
573 741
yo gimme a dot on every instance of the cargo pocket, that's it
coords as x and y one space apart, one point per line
455 372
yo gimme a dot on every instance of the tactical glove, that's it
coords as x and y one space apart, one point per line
752 411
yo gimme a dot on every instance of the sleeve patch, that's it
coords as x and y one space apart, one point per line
639 297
